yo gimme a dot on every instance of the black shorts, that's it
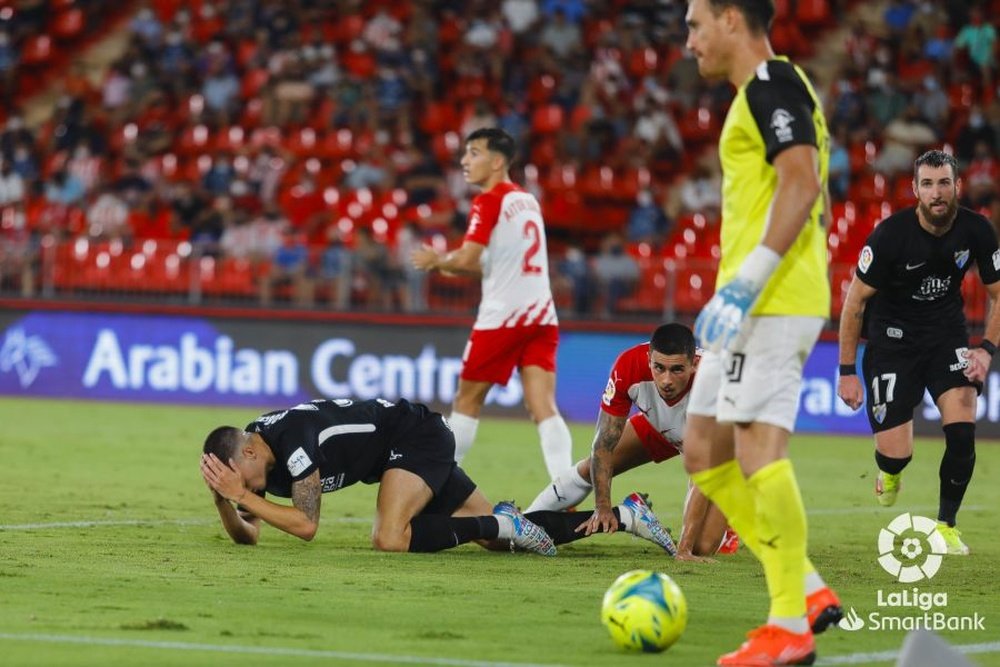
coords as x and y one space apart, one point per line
428 451
895 380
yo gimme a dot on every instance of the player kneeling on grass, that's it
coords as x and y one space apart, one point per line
425 501
653 377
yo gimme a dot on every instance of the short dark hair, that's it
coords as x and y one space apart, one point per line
497 140
673 338
936 158
224 442
758 13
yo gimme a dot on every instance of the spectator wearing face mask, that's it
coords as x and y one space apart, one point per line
616 272
976 129
647 221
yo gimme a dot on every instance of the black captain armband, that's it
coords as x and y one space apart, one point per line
847 369
989 347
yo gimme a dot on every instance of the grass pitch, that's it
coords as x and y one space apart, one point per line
111 553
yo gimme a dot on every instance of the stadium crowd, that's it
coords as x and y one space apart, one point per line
297 150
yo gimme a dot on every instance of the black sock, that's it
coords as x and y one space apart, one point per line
561 526
890 465
957 464
435 532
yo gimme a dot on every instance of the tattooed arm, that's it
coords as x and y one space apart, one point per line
609 432
300 520
851 316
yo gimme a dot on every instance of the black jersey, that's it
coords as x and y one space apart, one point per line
919 277
348 441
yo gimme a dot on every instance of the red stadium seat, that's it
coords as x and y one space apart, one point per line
230 139
337 144
303 142
642 62
252 82
694 287
540 89
547 119
438 117
446 147
841 274
194 139
68 24
37 50
813 14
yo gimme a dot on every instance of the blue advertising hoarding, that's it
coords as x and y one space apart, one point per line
268 364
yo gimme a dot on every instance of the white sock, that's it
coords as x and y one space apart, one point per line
567 490
506 527
814 582
799 625
557 444
627 519
464 427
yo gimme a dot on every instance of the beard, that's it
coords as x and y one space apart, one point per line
942 220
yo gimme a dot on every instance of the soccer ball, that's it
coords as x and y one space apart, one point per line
644 611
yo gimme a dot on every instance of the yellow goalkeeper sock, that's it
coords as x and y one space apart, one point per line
781 535
726 486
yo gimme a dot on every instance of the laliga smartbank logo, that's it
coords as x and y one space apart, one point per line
911 550
920 552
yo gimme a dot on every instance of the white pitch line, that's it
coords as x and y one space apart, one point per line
141 522
263 650
890 656
98 524
357 519
873 509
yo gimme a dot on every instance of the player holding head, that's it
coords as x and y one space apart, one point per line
906 297
425 501
654 377
516 326
772 297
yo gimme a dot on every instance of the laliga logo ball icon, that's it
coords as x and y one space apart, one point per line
921 548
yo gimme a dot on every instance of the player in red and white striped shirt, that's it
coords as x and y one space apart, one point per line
516 326
642 417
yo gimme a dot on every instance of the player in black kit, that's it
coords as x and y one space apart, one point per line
425 501
906 297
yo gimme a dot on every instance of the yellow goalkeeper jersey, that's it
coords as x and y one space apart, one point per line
776 109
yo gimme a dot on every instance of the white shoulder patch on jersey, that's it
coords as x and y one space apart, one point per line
609 392
781 122
298 462
865 259
996 260
762 72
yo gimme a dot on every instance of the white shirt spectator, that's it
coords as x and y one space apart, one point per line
116 90
107 217
520 14
11 186
656 125
383 31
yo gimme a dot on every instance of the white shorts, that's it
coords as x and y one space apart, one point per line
760 380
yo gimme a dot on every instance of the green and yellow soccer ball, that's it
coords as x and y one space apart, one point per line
644 611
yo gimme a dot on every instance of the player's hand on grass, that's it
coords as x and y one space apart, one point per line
602 520
223 479
850 391
689 557
978 364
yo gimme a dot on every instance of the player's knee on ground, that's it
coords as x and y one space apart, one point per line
385 539
707 545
